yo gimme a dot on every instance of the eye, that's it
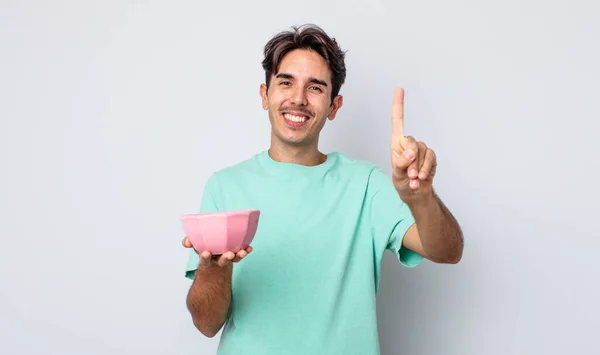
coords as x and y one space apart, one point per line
315 88
286 83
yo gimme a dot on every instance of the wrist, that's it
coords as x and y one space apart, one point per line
214 270
419 200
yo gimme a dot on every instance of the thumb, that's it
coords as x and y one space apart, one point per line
401 161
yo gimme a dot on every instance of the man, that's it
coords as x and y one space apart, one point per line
310 283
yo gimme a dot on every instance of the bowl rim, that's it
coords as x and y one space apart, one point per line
219 213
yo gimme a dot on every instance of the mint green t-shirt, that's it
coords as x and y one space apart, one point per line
310 284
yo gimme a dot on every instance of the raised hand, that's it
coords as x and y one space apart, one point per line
226 259
413 163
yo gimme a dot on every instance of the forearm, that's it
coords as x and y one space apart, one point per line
439 232
209 298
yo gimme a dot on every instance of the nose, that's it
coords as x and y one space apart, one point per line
299 97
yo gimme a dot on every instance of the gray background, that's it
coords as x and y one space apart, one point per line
113 115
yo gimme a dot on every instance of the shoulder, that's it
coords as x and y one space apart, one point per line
237 170
373 171
375 179
344 161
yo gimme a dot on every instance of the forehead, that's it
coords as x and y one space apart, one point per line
305 64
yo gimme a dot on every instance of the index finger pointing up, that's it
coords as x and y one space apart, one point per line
398 115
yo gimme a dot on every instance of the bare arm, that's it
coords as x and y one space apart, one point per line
209 297
436 234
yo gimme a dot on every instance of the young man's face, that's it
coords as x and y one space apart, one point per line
299 98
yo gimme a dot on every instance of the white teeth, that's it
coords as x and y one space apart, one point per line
294 118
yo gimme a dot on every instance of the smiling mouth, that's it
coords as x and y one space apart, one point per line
295 117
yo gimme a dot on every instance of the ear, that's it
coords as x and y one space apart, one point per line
264 97
338 101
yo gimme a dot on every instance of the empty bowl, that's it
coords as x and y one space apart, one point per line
218 232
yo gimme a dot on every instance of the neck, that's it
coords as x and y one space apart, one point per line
303 155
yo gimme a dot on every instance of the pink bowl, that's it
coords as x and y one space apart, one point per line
218 232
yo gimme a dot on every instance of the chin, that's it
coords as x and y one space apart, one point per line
292 140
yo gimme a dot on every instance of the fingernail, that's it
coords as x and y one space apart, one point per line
413 173
422 176
408 154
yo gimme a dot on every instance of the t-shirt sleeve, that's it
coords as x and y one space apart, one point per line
390 218
208 204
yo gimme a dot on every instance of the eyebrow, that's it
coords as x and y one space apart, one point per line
311 80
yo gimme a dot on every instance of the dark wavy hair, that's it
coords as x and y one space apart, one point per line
309 37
